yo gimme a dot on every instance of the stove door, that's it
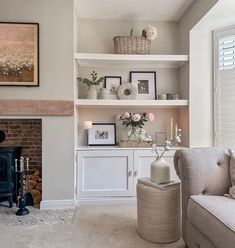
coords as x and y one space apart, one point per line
5 173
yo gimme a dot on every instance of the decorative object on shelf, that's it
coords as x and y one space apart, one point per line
160 169
171 129
160 138
162 97
169 96
178 135
150 33
87 126
135 44
92 83
136 136
19 52
102 134
127 91
145 82
112 83
104 93
176 96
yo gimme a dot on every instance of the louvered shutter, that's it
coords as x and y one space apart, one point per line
224 72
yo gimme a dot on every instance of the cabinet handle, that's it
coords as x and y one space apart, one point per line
136 173
129 173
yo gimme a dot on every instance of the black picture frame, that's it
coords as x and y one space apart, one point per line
91 134
36 82
154 83
106 78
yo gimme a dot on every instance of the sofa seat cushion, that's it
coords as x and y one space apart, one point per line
214 216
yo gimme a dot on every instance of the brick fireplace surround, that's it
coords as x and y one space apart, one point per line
26 133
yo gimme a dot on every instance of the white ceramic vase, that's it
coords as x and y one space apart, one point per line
160 171
92 92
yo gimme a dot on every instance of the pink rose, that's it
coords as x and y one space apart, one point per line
150 116
136 117
126 115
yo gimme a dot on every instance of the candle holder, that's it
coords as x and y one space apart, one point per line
23 198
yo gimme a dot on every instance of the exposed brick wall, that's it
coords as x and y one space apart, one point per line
26 133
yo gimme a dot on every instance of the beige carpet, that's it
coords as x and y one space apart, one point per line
111 226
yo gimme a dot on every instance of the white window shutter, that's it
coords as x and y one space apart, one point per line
224 95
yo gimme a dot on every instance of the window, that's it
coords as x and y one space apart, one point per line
224 87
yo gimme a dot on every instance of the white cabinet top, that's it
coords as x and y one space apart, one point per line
144 61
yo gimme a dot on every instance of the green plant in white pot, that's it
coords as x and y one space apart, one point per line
92 83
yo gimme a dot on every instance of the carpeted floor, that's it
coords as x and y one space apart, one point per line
111 226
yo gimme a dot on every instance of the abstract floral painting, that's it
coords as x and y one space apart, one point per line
19 54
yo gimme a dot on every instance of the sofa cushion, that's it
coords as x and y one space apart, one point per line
232 173
214 216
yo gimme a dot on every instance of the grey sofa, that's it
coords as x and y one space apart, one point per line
208 216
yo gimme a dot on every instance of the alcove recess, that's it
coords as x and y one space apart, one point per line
94 51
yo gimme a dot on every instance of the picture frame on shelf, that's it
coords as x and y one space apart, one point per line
160 138
112 83
146 84
102 134
19 52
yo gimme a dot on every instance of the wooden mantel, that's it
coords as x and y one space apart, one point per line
36 108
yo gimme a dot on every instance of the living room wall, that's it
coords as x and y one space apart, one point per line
55 18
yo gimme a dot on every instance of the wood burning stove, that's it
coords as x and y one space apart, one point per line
8 183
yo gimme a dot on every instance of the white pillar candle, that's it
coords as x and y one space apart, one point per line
21 164
87 125
171 134
176 129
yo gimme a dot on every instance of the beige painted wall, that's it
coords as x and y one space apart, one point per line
96 36
56 82
194 75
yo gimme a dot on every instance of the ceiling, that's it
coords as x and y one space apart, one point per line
159 10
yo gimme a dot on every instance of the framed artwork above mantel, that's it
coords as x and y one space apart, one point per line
19 54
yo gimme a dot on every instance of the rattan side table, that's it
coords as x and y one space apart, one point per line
158 211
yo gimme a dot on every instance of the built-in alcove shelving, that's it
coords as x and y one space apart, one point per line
144 61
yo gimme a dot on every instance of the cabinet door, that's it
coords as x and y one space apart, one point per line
144 158
105 173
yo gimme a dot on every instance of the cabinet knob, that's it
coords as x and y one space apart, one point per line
129 173
136 173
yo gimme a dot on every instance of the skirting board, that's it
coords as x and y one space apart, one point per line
105 201
57 204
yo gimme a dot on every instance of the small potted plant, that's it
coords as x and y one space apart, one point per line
91 83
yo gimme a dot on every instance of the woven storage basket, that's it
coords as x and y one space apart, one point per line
131 44
126 143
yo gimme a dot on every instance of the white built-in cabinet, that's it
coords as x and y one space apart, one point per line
114 172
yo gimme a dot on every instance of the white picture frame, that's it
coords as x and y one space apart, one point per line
112 83
102 134
145 83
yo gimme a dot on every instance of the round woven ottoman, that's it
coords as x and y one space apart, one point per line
158 212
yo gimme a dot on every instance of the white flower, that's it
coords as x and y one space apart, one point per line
151 32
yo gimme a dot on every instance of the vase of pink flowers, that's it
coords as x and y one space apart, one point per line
137 121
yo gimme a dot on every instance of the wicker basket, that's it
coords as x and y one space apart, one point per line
131 45
129 143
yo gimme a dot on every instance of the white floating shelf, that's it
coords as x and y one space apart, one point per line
144 61
130 103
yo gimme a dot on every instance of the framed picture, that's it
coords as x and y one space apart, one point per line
112 83
102 134
19 54
145 82
160 138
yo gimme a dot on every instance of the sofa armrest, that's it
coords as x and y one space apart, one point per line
202 171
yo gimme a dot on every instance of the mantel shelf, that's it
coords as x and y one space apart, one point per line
130 103
131 60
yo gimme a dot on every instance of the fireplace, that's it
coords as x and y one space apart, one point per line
8 183
26 134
